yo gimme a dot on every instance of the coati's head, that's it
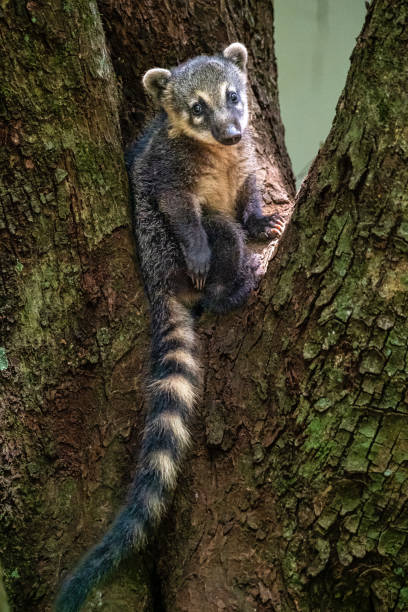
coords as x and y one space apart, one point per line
205 98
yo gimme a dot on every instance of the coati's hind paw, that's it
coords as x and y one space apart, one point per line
267 227
198 264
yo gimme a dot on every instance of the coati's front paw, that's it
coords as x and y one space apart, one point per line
265 227
198 263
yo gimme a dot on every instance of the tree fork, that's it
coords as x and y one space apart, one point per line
297 493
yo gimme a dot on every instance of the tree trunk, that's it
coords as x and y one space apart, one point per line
293 496
72 308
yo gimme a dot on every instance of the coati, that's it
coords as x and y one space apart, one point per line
195 199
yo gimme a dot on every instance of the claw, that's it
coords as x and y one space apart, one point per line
198 275
198 281
276 227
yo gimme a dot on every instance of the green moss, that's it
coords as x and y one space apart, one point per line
326 519
372 362
44 321
332 332
284 290
368 426
246 468
356 459
403 596
323 404
319 432
311 350
3 359
391 542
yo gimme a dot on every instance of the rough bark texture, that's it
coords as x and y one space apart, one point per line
293 496
72 319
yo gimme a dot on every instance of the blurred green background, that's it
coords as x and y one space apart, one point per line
314 40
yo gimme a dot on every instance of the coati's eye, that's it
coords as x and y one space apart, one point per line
233 97
197 109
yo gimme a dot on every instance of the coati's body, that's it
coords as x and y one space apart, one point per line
186 222
194 201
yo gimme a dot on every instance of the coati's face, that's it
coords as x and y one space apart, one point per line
205 98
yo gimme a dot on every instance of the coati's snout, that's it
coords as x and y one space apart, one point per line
205 98
228 134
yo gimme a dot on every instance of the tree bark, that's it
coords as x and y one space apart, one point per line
72 308
293 496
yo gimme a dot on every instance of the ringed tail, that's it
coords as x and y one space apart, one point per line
173 391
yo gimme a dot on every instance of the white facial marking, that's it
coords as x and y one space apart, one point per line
222 115
223 91
244 120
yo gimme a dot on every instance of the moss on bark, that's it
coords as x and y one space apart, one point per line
72 317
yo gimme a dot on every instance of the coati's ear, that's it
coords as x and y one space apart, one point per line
155 82
238 54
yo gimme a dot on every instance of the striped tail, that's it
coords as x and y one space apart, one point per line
173 391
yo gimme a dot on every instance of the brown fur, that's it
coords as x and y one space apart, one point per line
179 126
224 169
223 173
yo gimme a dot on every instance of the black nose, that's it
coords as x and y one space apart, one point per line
232 140
230 135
